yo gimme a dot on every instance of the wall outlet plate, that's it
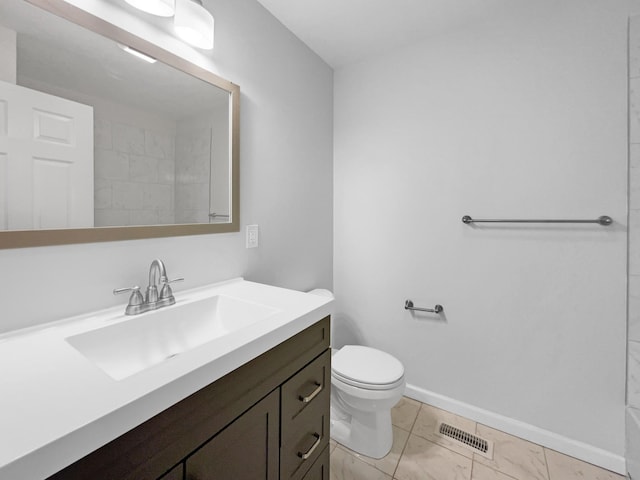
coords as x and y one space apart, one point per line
252 236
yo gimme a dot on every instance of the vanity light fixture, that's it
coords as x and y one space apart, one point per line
137 53
194 24
161 8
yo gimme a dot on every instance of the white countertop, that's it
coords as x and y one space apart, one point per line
56 406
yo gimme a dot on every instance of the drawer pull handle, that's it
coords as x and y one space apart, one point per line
312 395
304 456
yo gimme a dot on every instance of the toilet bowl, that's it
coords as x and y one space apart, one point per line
365 384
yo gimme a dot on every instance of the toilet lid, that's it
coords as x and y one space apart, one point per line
366 365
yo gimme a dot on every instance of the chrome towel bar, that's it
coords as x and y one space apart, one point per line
408 305
604 220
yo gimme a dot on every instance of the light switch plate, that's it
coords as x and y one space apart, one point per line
252 236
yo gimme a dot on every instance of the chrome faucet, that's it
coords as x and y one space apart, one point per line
152 301
157 275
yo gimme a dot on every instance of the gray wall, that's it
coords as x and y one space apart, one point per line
286 183
521 116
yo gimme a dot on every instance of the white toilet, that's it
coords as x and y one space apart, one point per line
365 384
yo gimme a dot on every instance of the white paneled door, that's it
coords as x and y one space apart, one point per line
46 160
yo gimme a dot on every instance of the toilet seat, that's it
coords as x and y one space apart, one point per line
367 386
367 368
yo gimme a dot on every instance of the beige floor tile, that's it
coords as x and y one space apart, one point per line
424 460
427 421
513 456
404 413
415 456
563 467
332 445
480 472
345 466
388 463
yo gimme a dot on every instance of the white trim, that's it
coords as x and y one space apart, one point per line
633 439
568 446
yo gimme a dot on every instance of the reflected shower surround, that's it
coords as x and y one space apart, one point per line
146 175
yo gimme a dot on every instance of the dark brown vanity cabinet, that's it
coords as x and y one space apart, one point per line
176 473
247 449
320 469
267 420
305 417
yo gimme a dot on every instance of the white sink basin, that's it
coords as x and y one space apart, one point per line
143 341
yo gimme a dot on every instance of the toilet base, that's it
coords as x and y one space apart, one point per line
367 433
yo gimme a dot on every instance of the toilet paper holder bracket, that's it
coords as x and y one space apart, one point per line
408 305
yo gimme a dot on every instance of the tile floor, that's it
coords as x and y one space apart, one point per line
419 454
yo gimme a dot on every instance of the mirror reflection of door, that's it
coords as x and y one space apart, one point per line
46 160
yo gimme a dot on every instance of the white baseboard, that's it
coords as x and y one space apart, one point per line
573 448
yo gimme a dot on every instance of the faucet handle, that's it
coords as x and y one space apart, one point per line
136 297
166 288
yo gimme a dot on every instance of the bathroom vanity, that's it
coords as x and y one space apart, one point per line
251 404
268 419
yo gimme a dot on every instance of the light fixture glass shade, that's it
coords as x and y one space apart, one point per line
194 24
161 8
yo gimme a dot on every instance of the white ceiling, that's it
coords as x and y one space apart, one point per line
347 31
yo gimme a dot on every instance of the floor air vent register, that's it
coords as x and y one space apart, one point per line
468 440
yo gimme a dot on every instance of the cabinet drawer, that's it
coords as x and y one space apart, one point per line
305 417
320 468
307 388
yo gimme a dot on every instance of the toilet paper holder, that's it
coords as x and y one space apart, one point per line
408 305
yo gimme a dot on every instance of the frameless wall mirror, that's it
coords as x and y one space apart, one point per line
104 136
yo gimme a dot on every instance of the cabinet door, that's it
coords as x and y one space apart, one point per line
176 473
247 449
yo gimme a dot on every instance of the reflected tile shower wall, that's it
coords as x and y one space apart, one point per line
193 166
134 174
202 166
